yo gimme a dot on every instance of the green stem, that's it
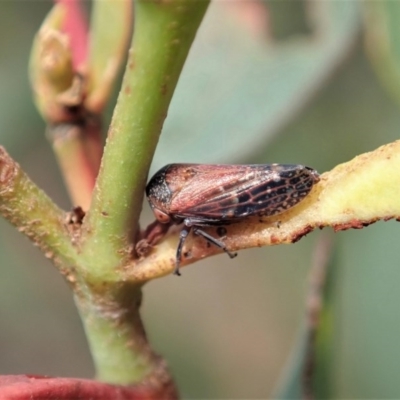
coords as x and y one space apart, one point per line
28 208
164 32
92 257
115 332
109 305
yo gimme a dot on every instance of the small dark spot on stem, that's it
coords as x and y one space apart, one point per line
75 216
104 213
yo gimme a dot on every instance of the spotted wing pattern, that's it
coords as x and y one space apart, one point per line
224 192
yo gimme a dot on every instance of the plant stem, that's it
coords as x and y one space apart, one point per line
109 305
164 32
118 311
28 208
78 148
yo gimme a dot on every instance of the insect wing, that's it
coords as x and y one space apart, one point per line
192 185
228 192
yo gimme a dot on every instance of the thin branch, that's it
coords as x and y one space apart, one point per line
78 147
109 305
163 35
34 214
60 92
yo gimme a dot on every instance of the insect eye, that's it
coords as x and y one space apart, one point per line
161 216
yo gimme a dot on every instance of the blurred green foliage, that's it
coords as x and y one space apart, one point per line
228 327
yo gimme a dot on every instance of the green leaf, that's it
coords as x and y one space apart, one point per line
382 40
236 91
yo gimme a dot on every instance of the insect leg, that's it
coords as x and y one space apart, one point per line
182 237
214 241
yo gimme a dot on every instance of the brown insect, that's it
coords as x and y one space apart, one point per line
214 195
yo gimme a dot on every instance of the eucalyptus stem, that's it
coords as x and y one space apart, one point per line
78 149
163 34
33 213
108 304
118 341
96 252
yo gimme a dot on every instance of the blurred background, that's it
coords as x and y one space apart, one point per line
304 82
